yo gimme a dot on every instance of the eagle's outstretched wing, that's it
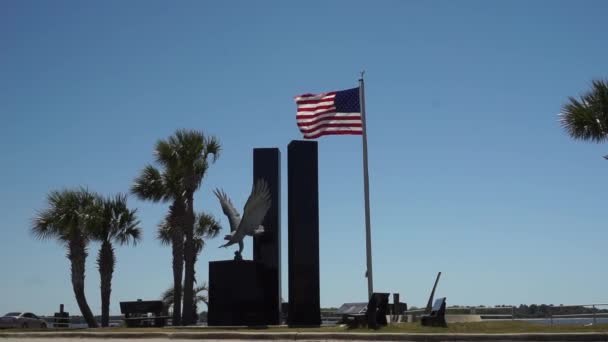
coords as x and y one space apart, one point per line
229 210
255 209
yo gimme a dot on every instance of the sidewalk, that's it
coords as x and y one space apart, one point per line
299 336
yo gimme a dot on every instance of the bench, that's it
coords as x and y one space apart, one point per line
373 314
437 316
144 313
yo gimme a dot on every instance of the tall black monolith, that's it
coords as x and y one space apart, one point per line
303 240
267 247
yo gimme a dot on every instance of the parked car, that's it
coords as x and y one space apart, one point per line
22 320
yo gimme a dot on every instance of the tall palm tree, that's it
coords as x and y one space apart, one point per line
586 118
66 219
114 223
207 227
188 154
152 185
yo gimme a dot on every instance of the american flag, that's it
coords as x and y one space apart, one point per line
335 112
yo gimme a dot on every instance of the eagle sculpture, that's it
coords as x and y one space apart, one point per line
254 212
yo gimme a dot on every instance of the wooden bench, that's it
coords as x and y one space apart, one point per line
144 313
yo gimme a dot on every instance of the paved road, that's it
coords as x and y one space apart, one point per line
279 337
109 339
158 339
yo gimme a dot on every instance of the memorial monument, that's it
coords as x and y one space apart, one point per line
248 292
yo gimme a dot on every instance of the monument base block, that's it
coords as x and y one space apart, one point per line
236 296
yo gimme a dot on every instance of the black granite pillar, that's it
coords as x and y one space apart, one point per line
267 247
303 239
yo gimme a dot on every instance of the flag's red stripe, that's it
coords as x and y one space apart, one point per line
322 133
311 116
312 109
328 118
302 102
331 124
328 114
313 95
320 127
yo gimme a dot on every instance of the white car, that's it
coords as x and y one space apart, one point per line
22 320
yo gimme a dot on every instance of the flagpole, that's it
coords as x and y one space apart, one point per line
368 232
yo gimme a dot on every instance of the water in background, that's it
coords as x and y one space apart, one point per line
577 321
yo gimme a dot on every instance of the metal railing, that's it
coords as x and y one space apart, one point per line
472 310
594 314
551 314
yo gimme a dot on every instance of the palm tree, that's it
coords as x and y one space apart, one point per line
586 118
155 186
187 153
200 296
114 223
66 219
207 227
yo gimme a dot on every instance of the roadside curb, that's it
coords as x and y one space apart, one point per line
311 336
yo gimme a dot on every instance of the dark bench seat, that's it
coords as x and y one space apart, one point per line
373 314
140 313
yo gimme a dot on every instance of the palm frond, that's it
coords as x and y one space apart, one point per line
174 186
167 297
67 214
199 295
164 233
165 154
207 226
149 185
212 147
199 245
46 226
586 118
114 221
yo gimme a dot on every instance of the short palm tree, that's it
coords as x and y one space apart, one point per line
65 219
187 154
586 118
200 296
114 223
152 185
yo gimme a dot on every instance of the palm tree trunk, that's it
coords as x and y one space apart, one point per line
195 293
105 262
77 255
178 271
189 260
176 221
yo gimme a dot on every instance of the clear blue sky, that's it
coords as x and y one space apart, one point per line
470 171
